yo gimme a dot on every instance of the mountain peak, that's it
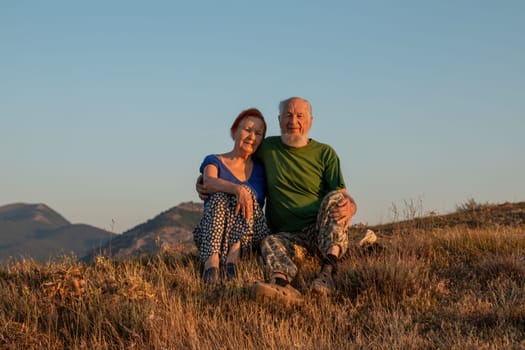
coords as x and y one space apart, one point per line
39 232
37 213
190 206
171 229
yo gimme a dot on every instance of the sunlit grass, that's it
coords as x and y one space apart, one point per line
448 288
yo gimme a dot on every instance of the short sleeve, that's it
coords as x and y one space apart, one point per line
333 174
210 159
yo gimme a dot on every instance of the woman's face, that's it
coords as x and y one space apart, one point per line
249 134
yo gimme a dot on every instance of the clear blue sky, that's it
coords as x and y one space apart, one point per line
107 108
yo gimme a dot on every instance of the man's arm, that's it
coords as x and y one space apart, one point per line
201 189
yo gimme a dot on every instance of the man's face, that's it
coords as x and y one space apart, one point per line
295 122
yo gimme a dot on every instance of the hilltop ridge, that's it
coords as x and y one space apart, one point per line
39 232
38 213
36 231
170 230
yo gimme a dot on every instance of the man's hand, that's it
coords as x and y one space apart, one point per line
344 210
201 189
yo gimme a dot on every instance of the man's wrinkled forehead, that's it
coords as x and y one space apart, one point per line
296 106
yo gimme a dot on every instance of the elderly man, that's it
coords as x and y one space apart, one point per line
308 207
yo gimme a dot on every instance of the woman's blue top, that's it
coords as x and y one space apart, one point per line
257 180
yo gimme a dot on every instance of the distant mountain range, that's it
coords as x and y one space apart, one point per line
38 232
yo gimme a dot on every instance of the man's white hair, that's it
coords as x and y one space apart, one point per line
284 103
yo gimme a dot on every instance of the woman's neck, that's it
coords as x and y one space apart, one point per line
235 156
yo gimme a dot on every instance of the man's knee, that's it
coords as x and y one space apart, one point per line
332 198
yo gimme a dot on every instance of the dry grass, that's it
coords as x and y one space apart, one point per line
446 288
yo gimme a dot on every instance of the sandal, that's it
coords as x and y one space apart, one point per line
231 271
211 275
323 284
287 294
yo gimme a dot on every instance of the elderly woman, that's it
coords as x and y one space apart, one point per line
233 220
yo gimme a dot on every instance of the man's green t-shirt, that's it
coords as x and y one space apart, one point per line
298 179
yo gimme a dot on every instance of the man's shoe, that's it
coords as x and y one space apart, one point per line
323 284
267 291
366 238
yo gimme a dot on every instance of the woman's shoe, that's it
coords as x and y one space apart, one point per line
210 276
231 271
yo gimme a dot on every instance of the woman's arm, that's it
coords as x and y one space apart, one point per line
212 183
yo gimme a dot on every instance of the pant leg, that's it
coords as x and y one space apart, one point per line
210 234
260 229
279 250
328 231
219 228
250 232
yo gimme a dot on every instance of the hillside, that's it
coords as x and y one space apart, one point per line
170 230
455 281
38 232
471 215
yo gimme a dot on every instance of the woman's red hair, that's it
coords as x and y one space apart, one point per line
251 112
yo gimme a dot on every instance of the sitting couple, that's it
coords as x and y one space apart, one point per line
307 205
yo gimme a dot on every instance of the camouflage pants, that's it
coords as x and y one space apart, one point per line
279 251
